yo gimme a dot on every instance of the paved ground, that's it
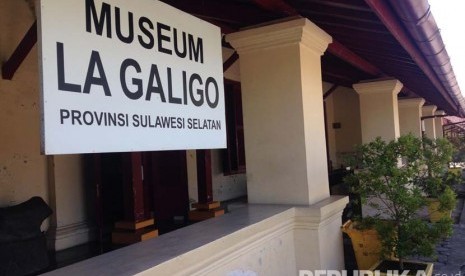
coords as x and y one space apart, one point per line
451 253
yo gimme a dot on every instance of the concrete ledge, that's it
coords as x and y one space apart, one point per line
258 237
324 209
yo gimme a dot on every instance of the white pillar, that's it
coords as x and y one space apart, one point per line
69 225
428 123
438 123
283 112
379 112
410 116
284 133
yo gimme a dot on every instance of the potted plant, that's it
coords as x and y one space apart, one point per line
386 183
365 241
436 180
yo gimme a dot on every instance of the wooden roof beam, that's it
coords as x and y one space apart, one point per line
335 48
352 58
277 6
230 61
224 11
10 67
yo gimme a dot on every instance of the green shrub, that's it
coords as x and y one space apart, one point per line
388 174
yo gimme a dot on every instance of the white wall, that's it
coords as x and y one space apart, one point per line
23 171
347 113
233 186
331 132
68 197
224 187
233 72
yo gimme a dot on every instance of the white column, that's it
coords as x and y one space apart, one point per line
284 133
410 116
69 225
438 123
428 123
379 112
283 112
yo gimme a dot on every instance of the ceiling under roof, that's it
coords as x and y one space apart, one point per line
355 27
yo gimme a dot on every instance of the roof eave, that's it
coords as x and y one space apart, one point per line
419 35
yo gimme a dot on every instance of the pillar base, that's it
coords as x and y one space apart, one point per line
67 236
132 225
205 211
206 206
128 232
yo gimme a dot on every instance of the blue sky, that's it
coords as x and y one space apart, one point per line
450 17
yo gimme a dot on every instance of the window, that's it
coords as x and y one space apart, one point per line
234 155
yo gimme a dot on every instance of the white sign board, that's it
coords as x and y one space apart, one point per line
122 75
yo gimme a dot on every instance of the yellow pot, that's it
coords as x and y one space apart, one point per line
366 244
433 210
456 171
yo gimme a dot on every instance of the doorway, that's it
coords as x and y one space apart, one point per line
140 186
